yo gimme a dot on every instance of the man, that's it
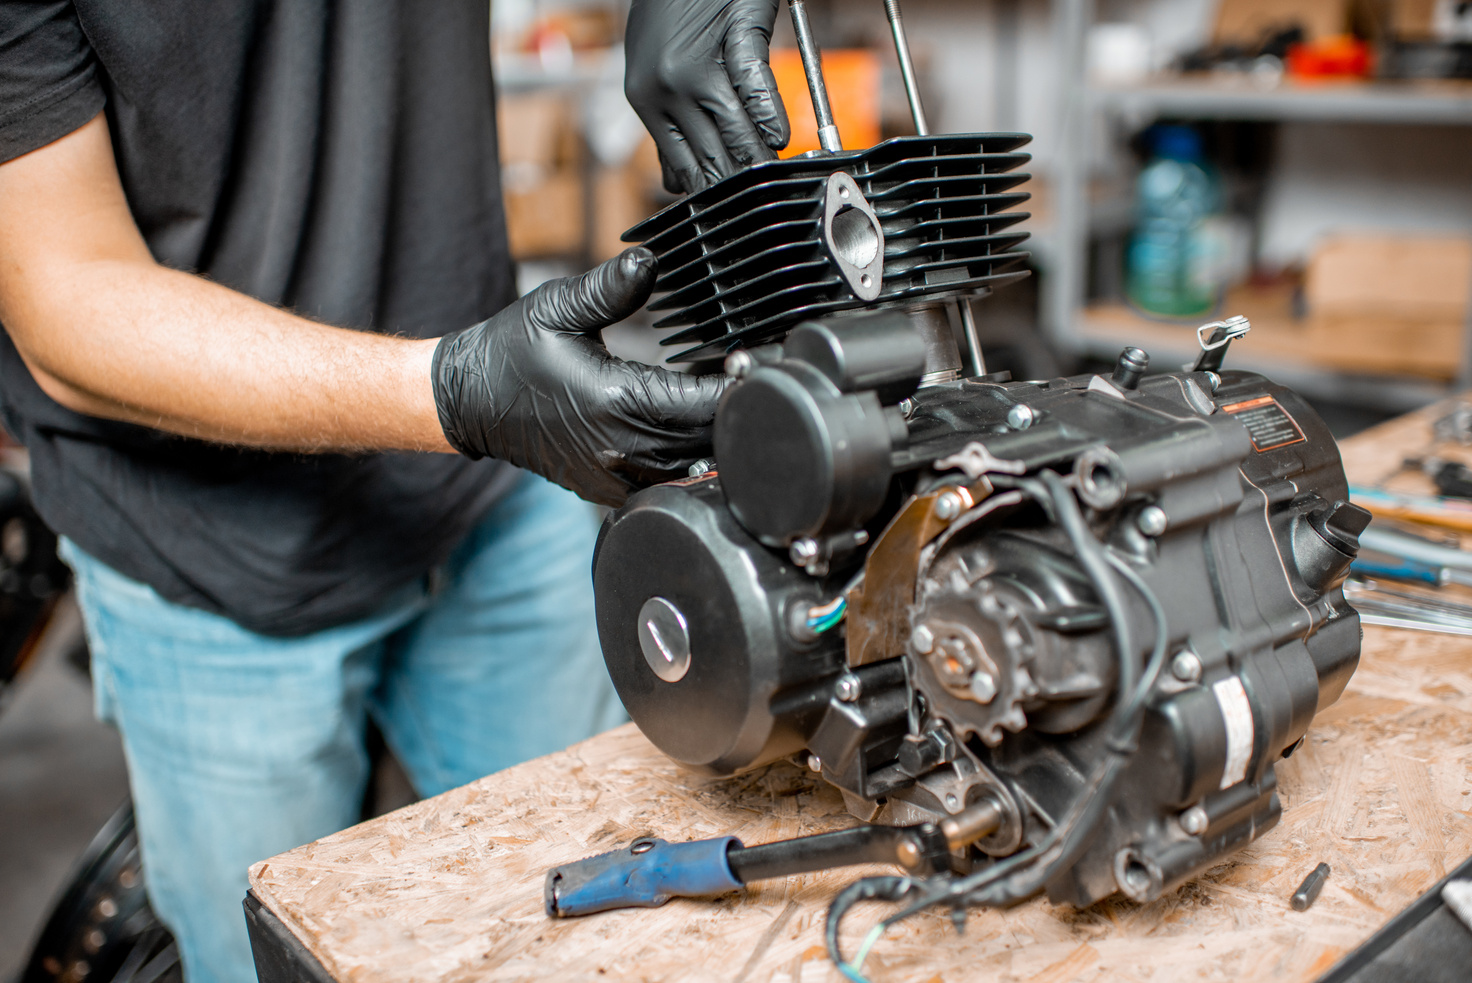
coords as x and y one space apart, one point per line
253 276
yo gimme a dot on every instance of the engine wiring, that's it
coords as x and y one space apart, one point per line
1019 876
824 617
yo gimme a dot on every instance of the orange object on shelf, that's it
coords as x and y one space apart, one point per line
1338 56
852 76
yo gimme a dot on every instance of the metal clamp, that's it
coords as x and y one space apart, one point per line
1214 339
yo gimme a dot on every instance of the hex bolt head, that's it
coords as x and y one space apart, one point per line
1021 416
948 505
803 551
922 639
1215 381
908 407
1152 520
814 763
700 467
983 687
1186 666
1194 821
739 364
849 687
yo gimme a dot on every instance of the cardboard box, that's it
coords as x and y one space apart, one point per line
1247 22
546 218
853 79
1390 303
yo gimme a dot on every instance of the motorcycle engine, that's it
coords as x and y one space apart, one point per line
1078 619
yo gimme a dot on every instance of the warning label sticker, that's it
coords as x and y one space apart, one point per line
1267 423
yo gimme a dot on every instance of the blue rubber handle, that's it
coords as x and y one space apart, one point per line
645 875
1408 570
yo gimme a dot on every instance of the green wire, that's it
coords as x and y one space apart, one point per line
854 969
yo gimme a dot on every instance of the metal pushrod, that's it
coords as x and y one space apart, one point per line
907 66
812 66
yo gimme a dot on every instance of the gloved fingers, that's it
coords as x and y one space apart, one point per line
680 170
707 141
604 295
747 58
667 400
742 142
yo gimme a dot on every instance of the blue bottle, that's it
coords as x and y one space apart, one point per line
1170 268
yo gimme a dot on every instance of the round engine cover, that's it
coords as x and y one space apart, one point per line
690 615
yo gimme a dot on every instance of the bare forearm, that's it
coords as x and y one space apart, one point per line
134 341
108 332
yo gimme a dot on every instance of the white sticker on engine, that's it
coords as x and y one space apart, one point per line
1237 715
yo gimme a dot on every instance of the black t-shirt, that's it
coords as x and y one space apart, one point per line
332 157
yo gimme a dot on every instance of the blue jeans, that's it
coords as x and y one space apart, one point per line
241 746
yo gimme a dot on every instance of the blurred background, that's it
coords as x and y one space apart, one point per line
1306 163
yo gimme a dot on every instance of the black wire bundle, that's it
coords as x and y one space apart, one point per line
1023 874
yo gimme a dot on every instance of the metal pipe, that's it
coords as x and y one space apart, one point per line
973 339
907 67
812 66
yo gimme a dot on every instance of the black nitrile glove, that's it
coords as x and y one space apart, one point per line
535 386
697 75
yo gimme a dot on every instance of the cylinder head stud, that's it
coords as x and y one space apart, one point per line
1152 520
1130 367
1021 416
1194 821
1186 666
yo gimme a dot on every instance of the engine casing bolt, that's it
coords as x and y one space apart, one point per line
739 364
1152 520
1021 416
815 763
983 687
849 687
948 505
922 639
1194 821
1186 666
701 467
803 551
908 854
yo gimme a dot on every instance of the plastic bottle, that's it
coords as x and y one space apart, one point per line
1171 266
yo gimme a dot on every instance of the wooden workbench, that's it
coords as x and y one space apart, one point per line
451 888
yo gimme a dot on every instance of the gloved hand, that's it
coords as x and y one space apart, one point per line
535 386
698 77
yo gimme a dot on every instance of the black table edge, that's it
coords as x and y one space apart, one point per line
280 956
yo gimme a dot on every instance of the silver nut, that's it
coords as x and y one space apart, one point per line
849 687
1186 666
739 364
1152 520
1215 381
983 687
948 506
922 639
1021 416
700 467
803 551
1194 821
815 763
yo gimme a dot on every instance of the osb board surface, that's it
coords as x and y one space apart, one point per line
451 888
